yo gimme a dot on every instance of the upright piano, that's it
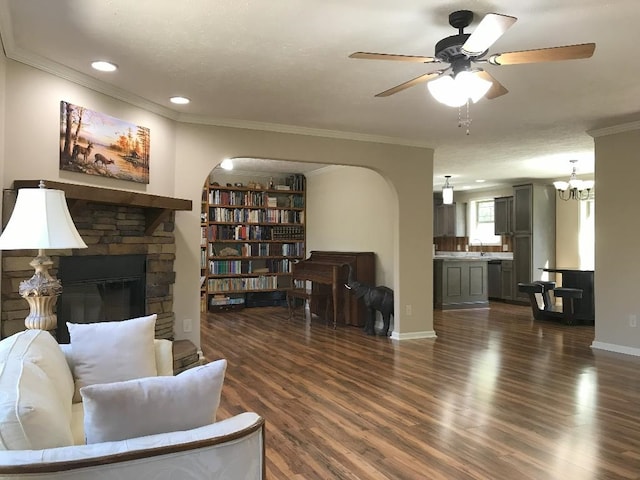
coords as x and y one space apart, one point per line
330 271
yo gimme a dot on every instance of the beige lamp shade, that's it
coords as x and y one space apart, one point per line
40 220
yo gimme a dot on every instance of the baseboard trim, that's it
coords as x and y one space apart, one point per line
612 347
413 335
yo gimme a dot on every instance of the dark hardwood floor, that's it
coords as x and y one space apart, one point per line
495 396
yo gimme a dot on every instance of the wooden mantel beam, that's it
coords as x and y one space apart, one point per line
156 207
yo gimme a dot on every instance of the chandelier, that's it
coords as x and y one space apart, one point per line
574 189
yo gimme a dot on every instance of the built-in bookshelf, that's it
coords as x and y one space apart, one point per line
251 235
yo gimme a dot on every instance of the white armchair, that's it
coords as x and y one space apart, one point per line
42 434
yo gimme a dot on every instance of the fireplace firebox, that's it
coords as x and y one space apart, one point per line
100 288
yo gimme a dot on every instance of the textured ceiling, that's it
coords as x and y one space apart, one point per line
283 65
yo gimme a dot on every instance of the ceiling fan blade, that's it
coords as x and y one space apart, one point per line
567 52
422 78
389 56
492 27
496 90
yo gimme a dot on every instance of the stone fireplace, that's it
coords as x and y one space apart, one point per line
118 226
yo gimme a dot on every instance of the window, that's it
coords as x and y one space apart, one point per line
481 223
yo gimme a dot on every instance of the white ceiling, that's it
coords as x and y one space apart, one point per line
283 65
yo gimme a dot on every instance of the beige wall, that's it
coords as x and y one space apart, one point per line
567 235
352 209
617 271
3 93
33 123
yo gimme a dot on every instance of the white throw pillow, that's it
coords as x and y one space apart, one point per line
41 349
31 411
146 406
108 352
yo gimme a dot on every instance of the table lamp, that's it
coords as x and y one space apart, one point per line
40 220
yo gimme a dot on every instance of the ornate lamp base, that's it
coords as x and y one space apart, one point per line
41 316
41 293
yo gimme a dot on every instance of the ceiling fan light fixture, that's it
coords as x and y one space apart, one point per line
455 92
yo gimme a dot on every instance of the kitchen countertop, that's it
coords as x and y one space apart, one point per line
469 256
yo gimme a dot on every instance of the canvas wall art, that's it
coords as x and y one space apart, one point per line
98 144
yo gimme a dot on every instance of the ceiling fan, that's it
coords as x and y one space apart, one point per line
463 50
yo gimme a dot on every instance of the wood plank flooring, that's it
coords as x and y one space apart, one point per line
496 396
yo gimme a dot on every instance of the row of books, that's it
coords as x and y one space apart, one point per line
261 250
285 232
222 214
296 181
217 300
253 199
226 197
244 283
225 267
213 233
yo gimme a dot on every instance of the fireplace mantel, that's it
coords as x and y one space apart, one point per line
156 207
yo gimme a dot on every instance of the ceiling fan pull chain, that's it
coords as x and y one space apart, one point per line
467 121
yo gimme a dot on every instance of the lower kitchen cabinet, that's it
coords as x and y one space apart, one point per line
500 274
506 278
460 283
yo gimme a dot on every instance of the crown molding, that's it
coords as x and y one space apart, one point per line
298 130
84 80
622 128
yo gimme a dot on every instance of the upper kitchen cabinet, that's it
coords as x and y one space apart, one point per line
503 215
450 220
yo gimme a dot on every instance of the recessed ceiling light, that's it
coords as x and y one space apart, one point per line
227 164
179 100
104 66
480 181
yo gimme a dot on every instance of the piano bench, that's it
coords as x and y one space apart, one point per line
310 297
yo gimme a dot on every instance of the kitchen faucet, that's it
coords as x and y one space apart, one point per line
481 245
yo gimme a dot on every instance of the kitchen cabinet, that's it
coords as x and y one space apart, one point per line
506 277
503 215
534 234
460 283
450 220
500 274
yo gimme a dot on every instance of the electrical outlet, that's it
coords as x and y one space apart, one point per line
633 320
187 325
408 310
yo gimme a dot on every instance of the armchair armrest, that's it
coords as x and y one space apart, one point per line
231 448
